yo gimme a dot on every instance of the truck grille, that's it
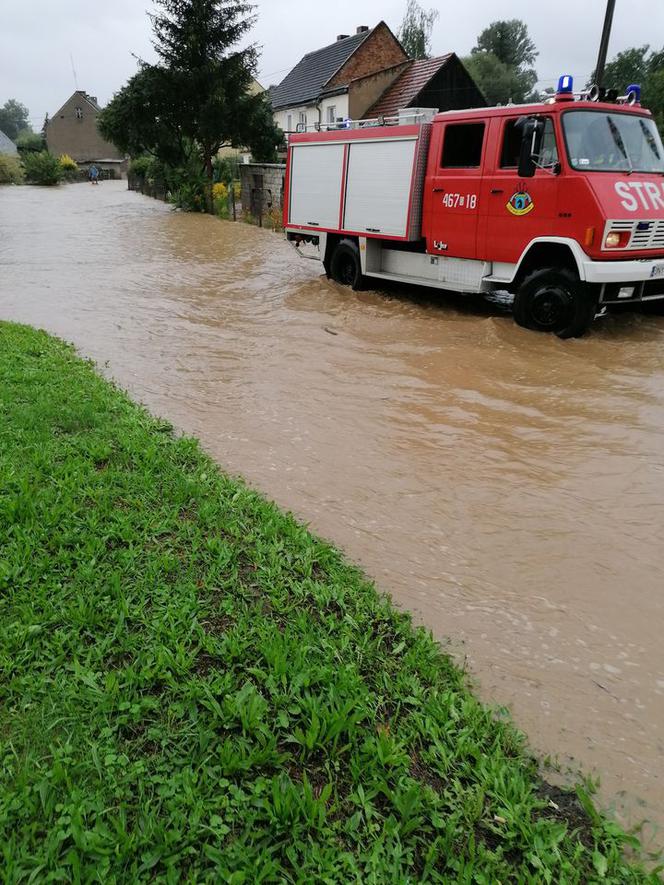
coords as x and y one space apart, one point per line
644 234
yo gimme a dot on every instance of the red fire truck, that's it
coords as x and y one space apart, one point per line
560 203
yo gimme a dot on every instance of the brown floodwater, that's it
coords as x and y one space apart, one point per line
505 487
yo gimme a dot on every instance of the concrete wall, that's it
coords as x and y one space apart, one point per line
365 91
76 134
262 187
281 117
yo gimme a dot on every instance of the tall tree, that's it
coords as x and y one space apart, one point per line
14 118
197 98
641 65
501 62
509 41
415 31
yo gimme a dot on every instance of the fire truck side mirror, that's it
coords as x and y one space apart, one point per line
531 129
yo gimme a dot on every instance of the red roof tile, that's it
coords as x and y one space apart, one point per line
407 86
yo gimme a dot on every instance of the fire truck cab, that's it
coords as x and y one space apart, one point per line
561 203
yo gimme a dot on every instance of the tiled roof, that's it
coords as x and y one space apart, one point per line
7 146
305 82
408 86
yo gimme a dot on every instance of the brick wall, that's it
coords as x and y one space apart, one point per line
262 187
380 50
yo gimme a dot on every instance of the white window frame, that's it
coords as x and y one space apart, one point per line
289 123
332 113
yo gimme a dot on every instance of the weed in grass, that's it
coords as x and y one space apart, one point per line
192 687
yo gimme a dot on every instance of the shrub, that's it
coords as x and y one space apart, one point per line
140 166
10 170
225 169
42 168
220 191
69 166
30 142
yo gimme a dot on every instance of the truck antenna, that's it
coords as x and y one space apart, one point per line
73 70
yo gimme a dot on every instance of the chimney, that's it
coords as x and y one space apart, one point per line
341 37
362 29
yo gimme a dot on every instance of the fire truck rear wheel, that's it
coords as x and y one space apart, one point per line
554 300
345 267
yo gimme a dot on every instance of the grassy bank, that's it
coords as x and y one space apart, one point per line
194 688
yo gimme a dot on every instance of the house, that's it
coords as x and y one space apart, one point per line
7 146
441 83
73 130
339 81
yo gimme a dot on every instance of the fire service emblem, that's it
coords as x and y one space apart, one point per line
520 203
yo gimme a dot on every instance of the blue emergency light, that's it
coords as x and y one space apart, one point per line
565 84
634 94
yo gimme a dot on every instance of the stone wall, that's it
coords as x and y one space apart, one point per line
262 188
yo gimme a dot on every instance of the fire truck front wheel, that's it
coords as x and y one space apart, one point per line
554 300
345 267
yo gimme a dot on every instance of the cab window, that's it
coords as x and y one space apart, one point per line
462 145
548 151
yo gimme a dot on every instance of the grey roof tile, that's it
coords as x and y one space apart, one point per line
7 146
307 79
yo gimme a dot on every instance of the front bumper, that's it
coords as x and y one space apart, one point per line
637 271
624 282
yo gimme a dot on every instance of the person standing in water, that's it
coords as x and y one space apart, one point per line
93 174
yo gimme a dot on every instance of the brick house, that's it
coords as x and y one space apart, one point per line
340 80
73 130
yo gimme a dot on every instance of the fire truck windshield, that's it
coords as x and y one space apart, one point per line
601 142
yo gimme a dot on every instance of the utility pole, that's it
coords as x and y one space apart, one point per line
604 43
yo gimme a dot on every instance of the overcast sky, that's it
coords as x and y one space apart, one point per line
38 38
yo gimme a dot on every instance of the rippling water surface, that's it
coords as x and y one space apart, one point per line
506 487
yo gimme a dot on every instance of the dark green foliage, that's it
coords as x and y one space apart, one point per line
415 31
198 98
193 688
226 169
30 142
501 62
42 168
14 118
639 65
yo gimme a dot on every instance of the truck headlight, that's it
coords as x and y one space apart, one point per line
617 239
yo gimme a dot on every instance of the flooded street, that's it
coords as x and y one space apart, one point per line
505 487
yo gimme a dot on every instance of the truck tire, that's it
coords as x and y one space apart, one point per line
345 267
554 300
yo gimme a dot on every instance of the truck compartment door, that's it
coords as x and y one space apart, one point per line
316 174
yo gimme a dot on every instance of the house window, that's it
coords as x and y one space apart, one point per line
289 123
331 114
462 147
302 124
79 113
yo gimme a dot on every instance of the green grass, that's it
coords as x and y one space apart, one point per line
193 688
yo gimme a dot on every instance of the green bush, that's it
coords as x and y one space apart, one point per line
42 168
10 170
225 169
30 142
140 166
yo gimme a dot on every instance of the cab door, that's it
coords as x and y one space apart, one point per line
454 182
518 210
